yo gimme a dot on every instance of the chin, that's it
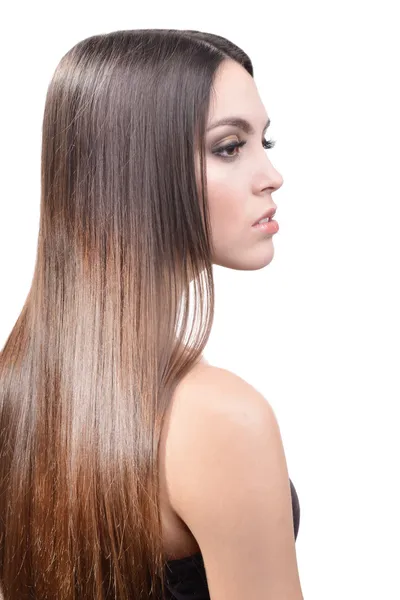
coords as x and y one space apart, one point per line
251 263
247 258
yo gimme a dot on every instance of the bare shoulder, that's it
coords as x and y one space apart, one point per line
230 486
212 397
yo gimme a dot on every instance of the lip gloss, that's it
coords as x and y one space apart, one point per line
270 227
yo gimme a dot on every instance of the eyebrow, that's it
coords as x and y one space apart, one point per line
237 122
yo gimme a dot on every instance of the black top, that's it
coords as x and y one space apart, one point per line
186 577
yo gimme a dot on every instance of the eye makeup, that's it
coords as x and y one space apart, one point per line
268 144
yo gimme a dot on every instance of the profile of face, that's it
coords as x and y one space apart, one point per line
240 180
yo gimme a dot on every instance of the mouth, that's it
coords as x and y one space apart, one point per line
267 216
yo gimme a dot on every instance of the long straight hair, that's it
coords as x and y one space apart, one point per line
90 366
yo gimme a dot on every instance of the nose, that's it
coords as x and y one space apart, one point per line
270 179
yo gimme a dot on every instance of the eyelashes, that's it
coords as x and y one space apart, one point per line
268 144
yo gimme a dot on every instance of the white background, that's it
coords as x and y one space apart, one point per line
317 331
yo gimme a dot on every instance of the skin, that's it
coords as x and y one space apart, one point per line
239 188
239 191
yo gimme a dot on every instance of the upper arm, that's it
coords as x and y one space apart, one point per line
231 488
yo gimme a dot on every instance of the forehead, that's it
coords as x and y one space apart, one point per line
235 93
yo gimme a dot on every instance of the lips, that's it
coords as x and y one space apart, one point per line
269 213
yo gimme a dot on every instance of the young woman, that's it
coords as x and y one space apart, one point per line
129 467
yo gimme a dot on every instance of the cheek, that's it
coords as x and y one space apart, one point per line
226 207
226 200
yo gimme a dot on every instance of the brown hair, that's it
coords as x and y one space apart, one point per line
91 363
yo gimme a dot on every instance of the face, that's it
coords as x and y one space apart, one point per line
241 180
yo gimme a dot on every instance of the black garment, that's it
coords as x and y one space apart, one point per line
186 577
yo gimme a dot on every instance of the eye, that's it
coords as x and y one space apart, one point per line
268 144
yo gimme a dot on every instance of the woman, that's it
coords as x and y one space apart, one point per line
129 467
